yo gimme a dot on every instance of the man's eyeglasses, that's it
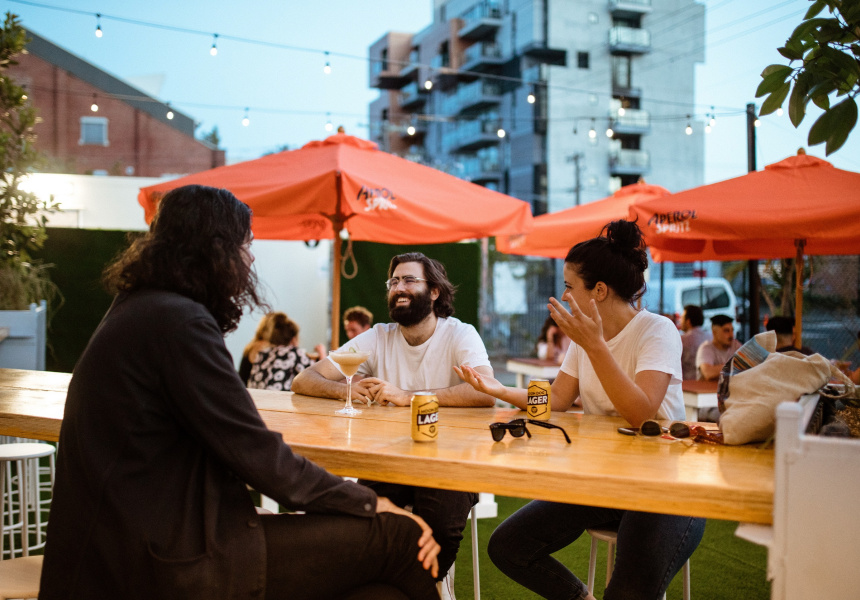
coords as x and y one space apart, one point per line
517 428
408 281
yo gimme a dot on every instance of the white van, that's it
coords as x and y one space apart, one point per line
713 294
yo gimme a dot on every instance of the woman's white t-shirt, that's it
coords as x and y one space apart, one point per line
648 342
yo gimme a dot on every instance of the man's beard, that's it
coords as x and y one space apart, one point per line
419 307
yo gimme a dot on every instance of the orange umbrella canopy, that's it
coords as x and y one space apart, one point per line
346 182
758 215
553 234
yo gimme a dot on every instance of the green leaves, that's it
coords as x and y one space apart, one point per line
829 48
834 126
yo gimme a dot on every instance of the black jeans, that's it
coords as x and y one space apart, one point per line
444 511
322 557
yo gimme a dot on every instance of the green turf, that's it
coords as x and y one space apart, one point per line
724 567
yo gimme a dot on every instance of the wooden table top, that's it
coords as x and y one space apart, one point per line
600 467
699 387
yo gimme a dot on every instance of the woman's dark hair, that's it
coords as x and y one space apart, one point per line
283 330
434 273
194 247
616 257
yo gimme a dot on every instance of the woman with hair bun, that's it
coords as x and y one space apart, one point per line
622 362
275 367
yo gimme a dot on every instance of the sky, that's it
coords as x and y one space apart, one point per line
271 55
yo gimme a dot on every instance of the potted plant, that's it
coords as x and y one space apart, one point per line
25 285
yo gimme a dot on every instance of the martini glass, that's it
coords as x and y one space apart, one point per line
349 362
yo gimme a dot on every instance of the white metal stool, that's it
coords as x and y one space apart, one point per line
611 538
28 492
19 577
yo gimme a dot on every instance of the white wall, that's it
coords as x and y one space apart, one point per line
295 279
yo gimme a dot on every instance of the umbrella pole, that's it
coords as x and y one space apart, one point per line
798 293
335 290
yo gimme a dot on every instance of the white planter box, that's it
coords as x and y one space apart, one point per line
24 348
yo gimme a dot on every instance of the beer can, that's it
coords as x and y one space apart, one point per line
425 417
538 406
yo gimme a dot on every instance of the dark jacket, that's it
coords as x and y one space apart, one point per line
159 438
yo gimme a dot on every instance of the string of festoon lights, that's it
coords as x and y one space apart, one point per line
409 124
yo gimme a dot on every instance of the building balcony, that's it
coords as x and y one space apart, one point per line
623 161
444 76
541 52
471 135
386 76
482 56
412 96
629 39
411 68
622 90
472 97
480 169
481 21
630 120
629 8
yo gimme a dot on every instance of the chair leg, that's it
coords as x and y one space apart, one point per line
592 565
610 561
687 580
476 574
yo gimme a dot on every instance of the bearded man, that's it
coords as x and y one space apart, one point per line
417 352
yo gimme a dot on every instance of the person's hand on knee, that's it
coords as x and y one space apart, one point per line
428 547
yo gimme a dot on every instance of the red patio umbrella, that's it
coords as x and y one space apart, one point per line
800 205
344 182
553 234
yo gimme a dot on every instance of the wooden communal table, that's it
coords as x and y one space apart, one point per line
600 467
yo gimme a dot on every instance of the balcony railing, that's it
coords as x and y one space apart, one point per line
631 120
471 135
629 39
625 161
480 168
481 55
624 8
412 95
481 20
472 96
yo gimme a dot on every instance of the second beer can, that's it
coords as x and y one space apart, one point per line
425 417
538 406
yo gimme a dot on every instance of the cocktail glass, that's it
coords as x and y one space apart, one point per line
349 362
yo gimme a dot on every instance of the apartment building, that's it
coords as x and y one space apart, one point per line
556 102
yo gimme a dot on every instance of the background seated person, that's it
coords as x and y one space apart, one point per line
260 341
712 355
356 320
552 343
692 337
276 366
784 328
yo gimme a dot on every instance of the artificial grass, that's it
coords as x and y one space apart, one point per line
724 567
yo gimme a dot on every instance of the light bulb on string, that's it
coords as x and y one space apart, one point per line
214 49
531 98
779 112
246 120
609 132
328 125
98 25
95 105
756 123
170 114
428 85
713 120
708 128
501 133
327 67
410 130
689 129
621 111
592 133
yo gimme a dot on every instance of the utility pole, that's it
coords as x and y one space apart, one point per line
577 176
752 266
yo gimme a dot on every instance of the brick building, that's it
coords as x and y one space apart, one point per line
131 133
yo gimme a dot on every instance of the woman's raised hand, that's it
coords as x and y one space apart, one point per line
584 329
482 383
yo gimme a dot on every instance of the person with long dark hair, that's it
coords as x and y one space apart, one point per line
623 362
160 440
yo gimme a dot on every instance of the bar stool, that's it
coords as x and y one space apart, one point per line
19 577
610 536
22 454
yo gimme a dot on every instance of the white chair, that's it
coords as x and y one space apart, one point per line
19 577
446 586
27 456
611 538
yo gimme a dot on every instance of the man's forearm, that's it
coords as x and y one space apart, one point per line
311 383
710 371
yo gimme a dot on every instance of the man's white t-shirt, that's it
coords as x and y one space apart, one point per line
648 342
424 367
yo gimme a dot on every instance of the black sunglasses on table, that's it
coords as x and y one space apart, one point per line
517 428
